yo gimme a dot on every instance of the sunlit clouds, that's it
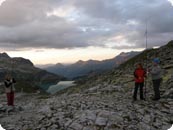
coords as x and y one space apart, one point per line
53 56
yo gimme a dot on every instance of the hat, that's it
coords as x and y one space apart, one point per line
156 60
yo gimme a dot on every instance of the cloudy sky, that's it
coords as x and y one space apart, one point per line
52 31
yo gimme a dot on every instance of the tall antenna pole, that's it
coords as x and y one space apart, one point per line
146 35
146 47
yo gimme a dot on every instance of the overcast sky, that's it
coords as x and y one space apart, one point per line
51 31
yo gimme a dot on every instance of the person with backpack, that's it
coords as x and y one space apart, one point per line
156 74
139 75
9 89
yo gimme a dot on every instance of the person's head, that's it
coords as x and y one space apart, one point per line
139 66
8 77
156 61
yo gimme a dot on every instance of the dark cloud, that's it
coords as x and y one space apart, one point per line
112 23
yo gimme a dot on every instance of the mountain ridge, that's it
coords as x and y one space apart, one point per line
84 68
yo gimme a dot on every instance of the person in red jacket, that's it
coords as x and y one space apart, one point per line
139 75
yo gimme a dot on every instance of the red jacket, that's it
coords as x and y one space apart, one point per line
139 75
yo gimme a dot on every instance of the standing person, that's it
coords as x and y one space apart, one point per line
139 75
156 77
9 89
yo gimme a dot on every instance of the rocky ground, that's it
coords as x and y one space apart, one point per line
101 107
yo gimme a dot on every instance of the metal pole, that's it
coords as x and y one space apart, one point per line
146 46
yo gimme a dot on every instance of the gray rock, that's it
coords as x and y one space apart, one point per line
43 129
88 128
147 119
76 126
101 121
168 93
143 126
54 127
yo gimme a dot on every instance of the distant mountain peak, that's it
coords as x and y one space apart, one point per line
122 53
90 61
59 64
22 61
80 62
4 55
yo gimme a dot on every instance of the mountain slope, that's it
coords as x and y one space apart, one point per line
84 68
29 78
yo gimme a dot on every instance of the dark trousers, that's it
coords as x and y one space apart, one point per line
156 86
138 85
10 99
